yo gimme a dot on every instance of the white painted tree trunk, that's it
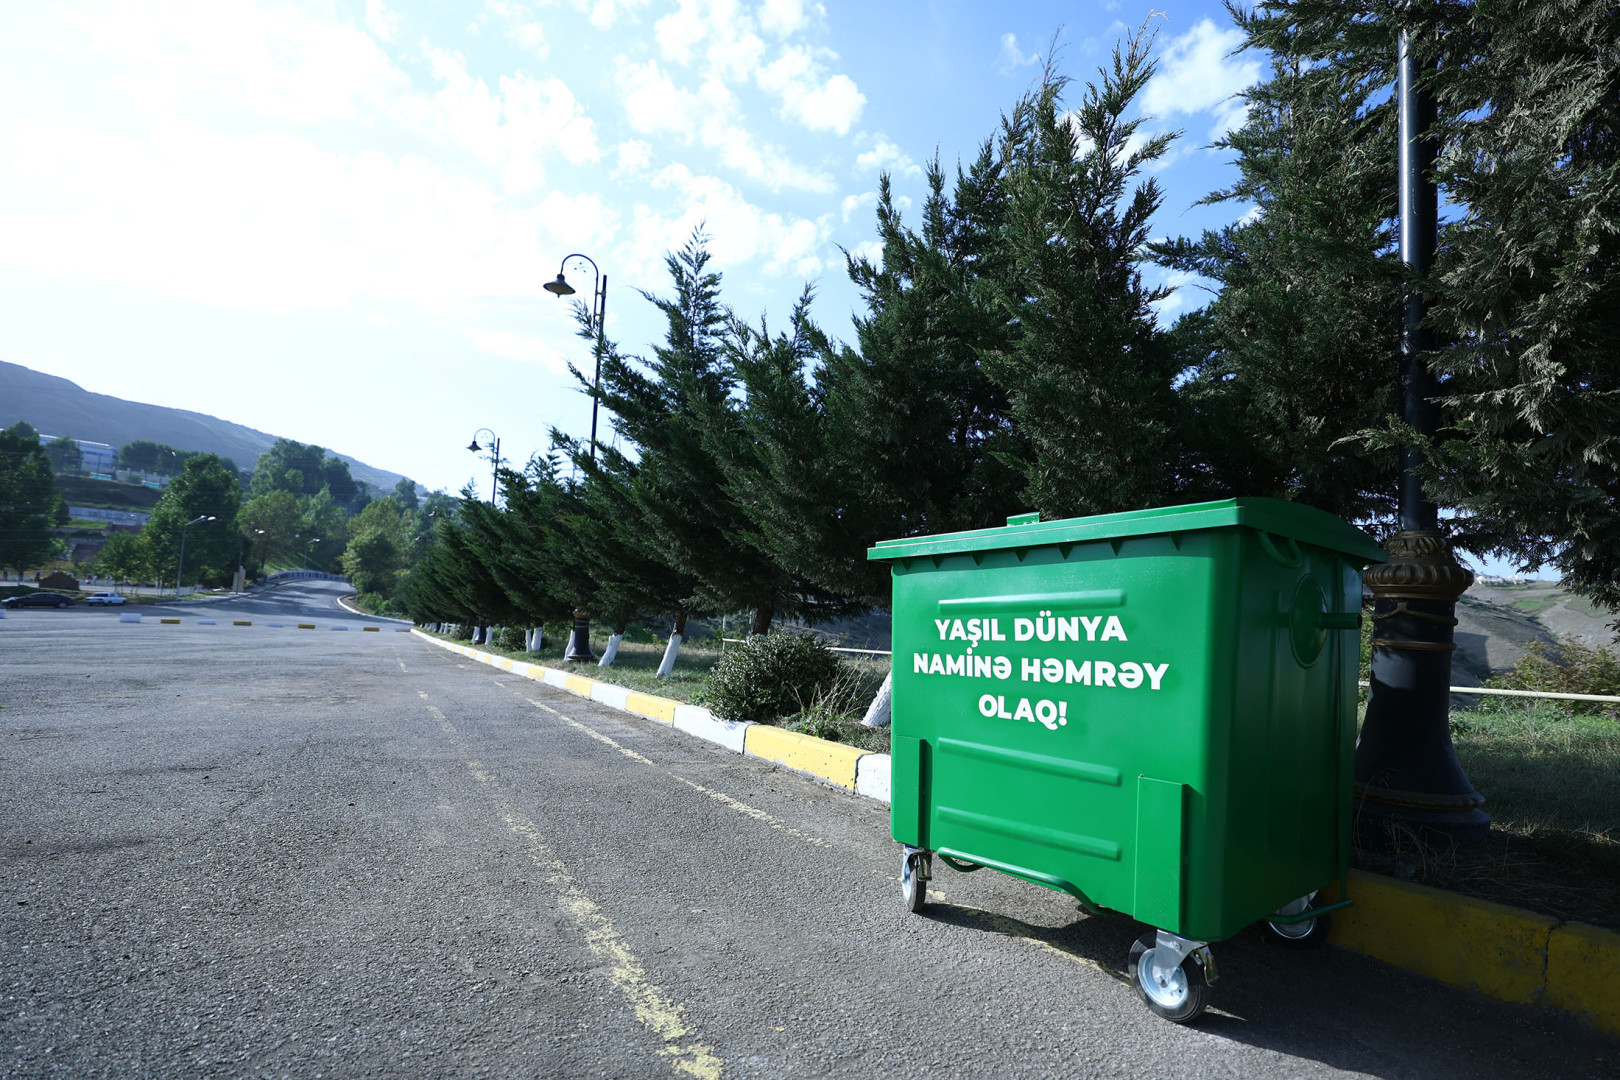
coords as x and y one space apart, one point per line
536 640
670 654
610 653
877 713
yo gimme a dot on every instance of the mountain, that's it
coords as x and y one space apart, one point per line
55 406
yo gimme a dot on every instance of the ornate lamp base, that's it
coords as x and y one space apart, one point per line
1407 773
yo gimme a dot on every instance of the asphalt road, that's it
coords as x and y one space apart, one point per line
250 851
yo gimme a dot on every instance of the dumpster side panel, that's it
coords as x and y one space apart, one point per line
1284 824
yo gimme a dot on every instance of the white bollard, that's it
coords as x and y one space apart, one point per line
670 653
129 616
610 653
877 714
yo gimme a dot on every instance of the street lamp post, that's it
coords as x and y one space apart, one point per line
560 287
494 448
181 569
1407 772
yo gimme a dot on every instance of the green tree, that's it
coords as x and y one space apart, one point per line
917 432
272 524
29 502
1523 298
405 495
1089 377
379 543
204 489
124 558
66 457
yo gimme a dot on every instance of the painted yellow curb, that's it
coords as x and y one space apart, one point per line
306 626
176 621
661 709
1583 974
372 629
578 684
243 622
1498 950
833 762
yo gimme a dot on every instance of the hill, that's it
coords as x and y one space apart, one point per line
56 406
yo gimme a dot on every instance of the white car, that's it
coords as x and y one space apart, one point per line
104 598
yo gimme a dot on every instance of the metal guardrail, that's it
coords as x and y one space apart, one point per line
1607 698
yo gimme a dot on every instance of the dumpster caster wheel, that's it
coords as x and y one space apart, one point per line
1168 977
1299 935
914 874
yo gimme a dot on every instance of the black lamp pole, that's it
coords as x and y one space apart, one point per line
560 287
494 448
1407 773
579 641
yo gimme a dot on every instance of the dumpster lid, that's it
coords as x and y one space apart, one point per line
1294 520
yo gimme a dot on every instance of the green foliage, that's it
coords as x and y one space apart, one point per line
1294 366
405 495
124 558
29 502
1572 668
770 676
65 455
509 637
379 541
205 488
1088 376
151 457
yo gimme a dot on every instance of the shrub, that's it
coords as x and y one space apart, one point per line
1572 668
770 676
509 637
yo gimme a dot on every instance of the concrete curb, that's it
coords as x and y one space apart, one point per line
1503 952
860 771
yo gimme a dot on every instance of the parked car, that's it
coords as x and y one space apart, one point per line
39 599
104 598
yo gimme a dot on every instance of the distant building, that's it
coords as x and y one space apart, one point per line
97 460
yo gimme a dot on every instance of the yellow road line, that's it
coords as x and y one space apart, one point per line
306 626
242 622
652 1006
169 620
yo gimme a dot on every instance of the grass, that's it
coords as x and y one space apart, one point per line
1551 780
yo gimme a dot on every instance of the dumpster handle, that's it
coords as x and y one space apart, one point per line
959 865
1310 913
1038 878
1269 543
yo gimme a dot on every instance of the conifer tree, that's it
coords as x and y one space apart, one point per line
1300 349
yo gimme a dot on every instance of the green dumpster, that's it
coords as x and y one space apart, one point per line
1152 711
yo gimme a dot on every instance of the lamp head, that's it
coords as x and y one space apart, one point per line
560 287
473 446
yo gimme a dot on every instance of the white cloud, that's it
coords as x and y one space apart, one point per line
526 350
819 101
853 203
885 155
633 157
521 25
1196 75
657 106
870 250
383 24
739 231
1012 57
785 17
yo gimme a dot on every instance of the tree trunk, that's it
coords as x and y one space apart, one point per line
611 653
762 620
674 649
877 714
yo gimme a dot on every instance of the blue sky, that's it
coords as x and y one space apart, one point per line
332 220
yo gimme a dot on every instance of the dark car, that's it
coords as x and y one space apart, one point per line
39 599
